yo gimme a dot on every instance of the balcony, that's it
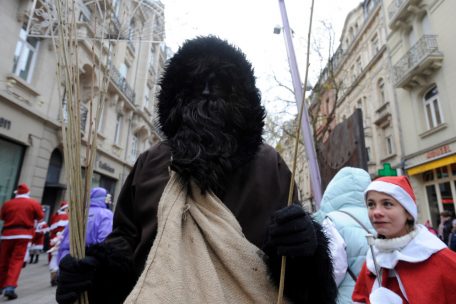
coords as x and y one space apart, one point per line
399 11
121 83
420 61
383 115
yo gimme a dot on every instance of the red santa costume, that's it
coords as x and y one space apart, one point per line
59 220
37 244
415 268
19 215
58 223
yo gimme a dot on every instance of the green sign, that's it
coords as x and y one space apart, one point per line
387 170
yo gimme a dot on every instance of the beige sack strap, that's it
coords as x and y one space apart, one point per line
200 255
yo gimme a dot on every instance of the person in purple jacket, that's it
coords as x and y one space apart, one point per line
99 223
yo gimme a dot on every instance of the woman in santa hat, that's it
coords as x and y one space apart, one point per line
406 263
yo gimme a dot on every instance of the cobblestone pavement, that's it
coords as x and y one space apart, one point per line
34 285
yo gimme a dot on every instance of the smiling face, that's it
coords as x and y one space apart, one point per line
386 215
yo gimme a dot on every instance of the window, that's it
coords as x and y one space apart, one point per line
123 70
352 72
134 148
359 65
389 145
118 129
368 153
432 108
411 37
146 97
24 55
381 90
101 121
375 44
426 25
83 117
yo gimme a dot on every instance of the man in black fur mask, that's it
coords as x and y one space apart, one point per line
210 113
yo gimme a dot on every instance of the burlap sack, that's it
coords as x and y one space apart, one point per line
200 255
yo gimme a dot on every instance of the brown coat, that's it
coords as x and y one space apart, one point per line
253 193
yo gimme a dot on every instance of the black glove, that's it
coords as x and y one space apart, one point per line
75 277
291 233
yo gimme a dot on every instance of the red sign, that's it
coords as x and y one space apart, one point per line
439 151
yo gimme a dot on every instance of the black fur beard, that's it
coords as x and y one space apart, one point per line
208 145
210 111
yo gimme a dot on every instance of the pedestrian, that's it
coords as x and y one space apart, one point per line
445 225
211 198
343 215
428 225
99 222
58 223
37 244
19 215
406 263
452 237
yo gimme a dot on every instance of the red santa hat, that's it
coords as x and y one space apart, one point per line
63 205
22 189
399 188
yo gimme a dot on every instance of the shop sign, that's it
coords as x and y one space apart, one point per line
5 123
105 166
437 152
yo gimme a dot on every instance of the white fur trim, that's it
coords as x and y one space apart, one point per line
61 223
418 249
17 236
397 192
24 195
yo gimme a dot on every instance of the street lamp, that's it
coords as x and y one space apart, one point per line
315 179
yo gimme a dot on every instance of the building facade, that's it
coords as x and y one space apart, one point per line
396 63
131 53
423 54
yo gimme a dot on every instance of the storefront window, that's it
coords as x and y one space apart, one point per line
453 169
10 165
442 172
428 175
447 197
433 205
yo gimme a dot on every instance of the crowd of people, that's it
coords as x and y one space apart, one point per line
204 215
26 235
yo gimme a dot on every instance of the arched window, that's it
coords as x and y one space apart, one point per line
55 166
432 108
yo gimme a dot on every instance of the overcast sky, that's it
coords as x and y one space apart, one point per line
249 24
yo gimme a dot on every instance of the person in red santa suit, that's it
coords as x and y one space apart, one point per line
406 263
57 224
59 220
37 245
19 215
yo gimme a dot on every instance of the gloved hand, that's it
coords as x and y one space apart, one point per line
383 295
291 233
75 277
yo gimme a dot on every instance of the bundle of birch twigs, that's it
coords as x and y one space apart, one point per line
77 156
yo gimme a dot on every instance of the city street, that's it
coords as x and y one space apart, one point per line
34 285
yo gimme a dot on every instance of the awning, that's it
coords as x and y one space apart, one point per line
432 165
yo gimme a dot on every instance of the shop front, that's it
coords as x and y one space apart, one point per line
436 180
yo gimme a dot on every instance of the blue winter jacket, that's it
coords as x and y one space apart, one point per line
99 223
346 192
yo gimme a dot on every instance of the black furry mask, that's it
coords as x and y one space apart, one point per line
210 111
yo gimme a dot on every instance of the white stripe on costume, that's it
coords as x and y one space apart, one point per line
61 223
18 236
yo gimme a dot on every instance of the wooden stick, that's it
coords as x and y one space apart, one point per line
295 155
